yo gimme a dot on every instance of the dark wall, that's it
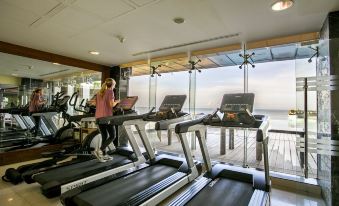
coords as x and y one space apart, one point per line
31 83
328 107
121 76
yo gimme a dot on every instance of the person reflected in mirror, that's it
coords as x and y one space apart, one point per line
105 102
35 105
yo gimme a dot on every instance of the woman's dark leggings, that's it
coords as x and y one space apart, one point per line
37 125
107 134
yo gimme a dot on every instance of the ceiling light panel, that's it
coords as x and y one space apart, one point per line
282 5
94 52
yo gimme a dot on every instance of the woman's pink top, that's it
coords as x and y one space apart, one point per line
35 103
103 106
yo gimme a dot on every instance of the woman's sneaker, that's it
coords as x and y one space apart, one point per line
99 155
107 157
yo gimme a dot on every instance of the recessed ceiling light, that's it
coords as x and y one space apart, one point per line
178 20
282 5
94 52
55 63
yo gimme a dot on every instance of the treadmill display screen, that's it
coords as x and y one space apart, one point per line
127 103
237 109
172 102
237 102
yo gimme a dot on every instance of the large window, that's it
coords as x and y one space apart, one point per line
174 83
273 84
212 84
139 86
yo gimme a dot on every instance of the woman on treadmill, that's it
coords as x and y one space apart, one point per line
35 104
105 102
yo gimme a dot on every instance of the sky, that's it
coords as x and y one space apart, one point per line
273 84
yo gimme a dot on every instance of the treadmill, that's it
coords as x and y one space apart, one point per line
56 181
149 185
227 184
18 139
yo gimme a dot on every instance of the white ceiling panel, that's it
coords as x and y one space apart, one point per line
37 7
16 14
157 30
311 7
74 19
91 24
141 2
106 9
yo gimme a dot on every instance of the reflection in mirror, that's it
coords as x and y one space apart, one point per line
19 77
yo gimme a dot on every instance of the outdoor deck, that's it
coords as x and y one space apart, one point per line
283 155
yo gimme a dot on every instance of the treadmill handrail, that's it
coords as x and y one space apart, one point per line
184 126
196 126
120 119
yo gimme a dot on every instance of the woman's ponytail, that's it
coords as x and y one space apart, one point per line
103 88
32 96
109 82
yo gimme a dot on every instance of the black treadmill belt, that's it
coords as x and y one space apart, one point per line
224 192
79 170
120 190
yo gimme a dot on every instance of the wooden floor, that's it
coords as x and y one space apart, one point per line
283 155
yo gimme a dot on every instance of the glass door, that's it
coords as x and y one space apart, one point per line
304 116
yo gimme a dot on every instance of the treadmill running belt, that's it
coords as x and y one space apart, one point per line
120 190
79 170
224 192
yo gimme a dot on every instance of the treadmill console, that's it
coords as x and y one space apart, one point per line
170 108
237 111
237 102
172 102
127 103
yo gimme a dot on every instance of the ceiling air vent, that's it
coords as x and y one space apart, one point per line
53 72
188 44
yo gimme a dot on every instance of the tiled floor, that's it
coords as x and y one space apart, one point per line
24 194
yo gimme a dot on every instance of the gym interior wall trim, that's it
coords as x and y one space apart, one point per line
49 57
15 81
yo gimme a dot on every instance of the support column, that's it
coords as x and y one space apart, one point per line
121 76
192 97
152 101
328 106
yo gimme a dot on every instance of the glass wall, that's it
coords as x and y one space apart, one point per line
165 86
274 86
272 80
139 86
213 83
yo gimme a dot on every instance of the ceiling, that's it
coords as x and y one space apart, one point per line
12 65
232 58
74 27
